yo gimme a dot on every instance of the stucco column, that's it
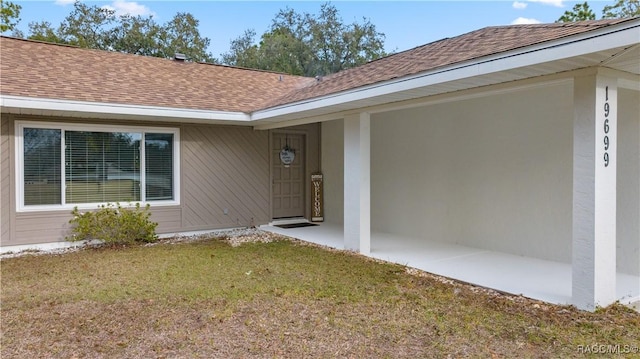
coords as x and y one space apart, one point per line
357 183
594 191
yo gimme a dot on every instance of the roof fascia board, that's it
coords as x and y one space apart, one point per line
30 105
625 80
477 92
613 36
461 95
270 125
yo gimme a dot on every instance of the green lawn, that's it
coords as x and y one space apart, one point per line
281 299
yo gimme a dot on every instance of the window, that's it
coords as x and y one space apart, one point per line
42 175
63 165
158 166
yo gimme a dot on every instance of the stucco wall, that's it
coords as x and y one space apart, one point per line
332 136
493 172
628 199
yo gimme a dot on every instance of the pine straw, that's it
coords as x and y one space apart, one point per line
200 297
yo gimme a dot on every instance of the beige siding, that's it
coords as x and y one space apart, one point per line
19 228
52 226
224 167
169 218
221 167
5 178
41 227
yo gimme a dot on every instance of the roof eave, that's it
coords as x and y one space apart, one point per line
114 111
609 37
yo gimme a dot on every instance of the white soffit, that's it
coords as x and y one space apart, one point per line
627 60
66 108
584 50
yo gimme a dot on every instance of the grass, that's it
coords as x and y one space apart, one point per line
281 299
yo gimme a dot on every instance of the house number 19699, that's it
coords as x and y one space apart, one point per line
606 126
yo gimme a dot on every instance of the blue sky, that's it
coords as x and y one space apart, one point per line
406 24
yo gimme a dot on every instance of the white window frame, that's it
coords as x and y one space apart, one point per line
19 167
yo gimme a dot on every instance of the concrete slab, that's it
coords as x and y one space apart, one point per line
535 278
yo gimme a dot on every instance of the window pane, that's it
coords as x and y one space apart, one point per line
102 166
159 166
41 166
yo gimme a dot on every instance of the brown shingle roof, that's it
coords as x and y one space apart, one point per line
450 51
37 69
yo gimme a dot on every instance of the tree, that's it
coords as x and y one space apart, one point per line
343 46
580 12
42 31
137 35
622 9
243 51
289 47
100 28
181 35
86 26
283 51
306 44
9 15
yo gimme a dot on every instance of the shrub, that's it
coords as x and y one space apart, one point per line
114 224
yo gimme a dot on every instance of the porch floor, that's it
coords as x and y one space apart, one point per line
540 279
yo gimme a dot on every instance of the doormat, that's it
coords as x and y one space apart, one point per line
296 225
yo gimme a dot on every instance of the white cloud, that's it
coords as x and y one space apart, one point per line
524 20
64 2
519 5
123 7
556 3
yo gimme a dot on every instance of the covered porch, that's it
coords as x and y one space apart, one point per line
535 278
520 173
506 188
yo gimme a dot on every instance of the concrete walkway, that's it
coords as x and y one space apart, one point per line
540 279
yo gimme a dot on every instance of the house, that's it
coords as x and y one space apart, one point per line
521 139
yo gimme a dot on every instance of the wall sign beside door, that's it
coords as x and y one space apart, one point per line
317 210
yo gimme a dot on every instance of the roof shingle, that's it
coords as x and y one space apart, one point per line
445 52
36 69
